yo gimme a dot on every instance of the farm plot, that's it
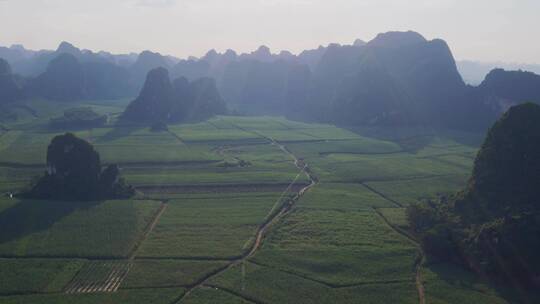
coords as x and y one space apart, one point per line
211 175
139 296
342 197
8 137
73 229
126 145
173 194
262 123
212 228
327 132
167 273
410 191
222 179
260 153
99 276
212 133
206 295
15 179
19 276
27 148
244 167
449 284
362 145
369 159
268 285
283 130
339 248
396 217
362 168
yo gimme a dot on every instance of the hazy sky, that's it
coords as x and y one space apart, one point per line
487 30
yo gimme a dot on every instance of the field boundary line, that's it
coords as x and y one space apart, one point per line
176 136
180 258
331 285
148 229
395 228
446 162
280 199
419 261
234 293
326 153
263 227
382 195
29 293
59 257
389 180
116 271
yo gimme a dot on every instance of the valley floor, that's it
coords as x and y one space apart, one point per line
235 210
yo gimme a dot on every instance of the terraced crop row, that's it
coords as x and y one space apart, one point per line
98 276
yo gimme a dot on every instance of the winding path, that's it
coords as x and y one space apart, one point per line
263 228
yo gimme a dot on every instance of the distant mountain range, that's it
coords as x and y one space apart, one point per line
398 78
474 72
163 101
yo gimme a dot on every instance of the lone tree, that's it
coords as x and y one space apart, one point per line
74 173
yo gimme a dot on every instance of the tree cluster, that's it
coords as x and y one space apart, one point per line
74 172
78 118
493 226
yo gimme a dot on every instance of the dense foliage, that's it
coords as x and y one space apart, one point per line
78 118
74 173
493 225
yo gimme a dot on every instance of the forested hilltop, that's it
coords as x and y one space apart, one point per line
492 226
398 78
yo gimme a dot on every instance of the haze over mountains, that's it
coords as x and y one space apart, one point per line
398 78
473 72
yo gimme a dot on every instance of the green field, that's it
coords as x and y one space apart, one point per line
140 296
451 284
310 244
214 295
167 273
208 228
267 285
216 218
74 229
36 275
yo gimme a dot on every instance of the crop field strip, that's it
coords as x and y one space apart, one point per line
251 300
284 255
94 279
273 217
109 280
435 168
419 287
98 276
